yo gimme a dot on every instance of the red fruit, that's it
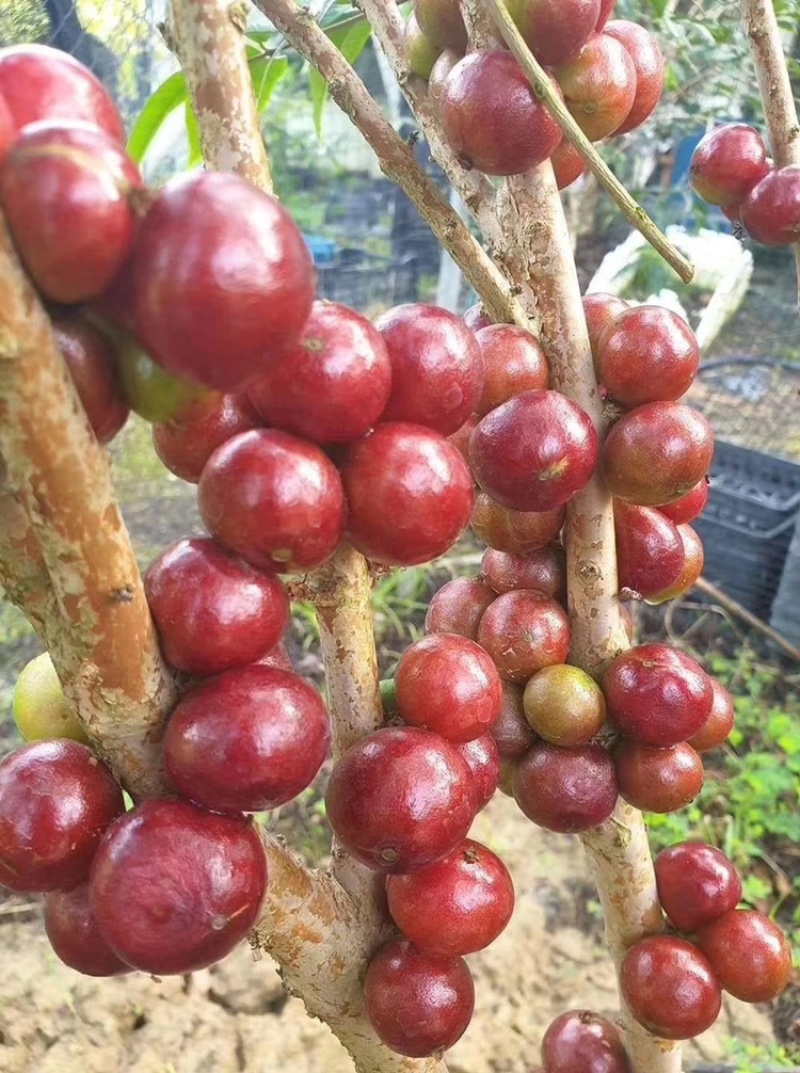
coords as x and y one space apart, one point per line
601 311
457 607
400 799
492 118
650 552
246 741
277 658
420 51
670 987
568 164
455 907
460 439
436 367
555 30
689 506
719 723
727 163
8 130
657 453
770 214
696 884
223 281
643 49
657 695
535 452
65 192
475 318
749 954
583 1042
513 531
274 499
174 888
409 492
448 684
482 757
658 780
40 83
185 446
56 800
599 86
606 9
212 610
564 705
441 21
90 361
512 731
514 362
333 387
524 631
436 80
649 355
74 935
694 559
565 790
544 570
419 1005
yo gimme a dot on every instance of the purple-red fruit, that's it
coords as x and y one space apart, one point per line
696 884
749 954
727 163
650 552
513 361
599 86
90 361
524 631
583 1042
568 164
601 311
658 780
565 790
649 355
482 757
512 732
555 30
648 59
74 935
670 987
544 570
689 506
458 606
476 318
513 531
770 214
185 445
717 727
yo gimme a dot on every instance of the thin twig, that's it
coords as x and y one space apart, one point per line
741 612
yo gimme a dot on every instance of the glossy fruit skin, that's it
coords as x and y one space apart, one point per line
213 611
246 741
460 439
657 453
420 51
689 506
512 732
274 499
717 727
601 311
174 888
150 392
457 906
513 360
333 387
565 790
482 757
75 937
650 551
694 560
40 83
544 570
65 193
476 318
449 685
749 953
441 21
40 709
223 281
564 705
458 606
568 164
599 86
8 130
696 884
727 163
583 1042
418 1005
670 987
649 355
648 59
56 800
185 446
535 452
409 493
555 31
400 799
491 117
513 531
524 631
90 361
770 214
658 780
437 373
657 695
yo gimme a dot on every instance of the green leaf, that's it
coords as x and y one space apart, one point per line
169 96
267 72
350 41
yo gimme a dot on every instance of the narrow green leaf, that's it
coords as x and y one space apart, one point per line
267 73
169 96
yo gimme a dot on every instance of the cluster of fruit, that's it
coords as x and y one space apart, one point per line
730 169
610 74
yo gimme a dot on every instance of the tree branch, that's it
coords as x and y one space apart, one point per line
479 24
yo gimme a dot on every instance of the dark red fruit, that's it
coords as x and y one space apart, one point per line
400 799
727 163
670 987
524 631
461 437
475 318
440 72
643 49
606 9
513 531
223 281
419 1005
514 362
658 780
90 361
246 741
437 371
696 884
174 888
770 214
457 607
409 493
65 191
185 446
420 51
749 954
650 553
599 86
564 705
717 727
544 570
74 935
601 311
441 21
277 658
565 790
8 130
657 453
688 507
583 1042
274 499
448 684
693 561
555 30
333 387
568 164
512 731
56 800
492 118
482 757
455 907
535 452
649 355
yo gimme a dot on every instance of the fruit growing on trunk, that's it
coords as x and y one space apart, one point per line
458 606
599 86
90 360
524 631
185 445
719 723
688 507
482 757
693 561
421 52
568 164
39 706
74 935
650 552
749 953
770 214
727 163
513 531
644 50
475 318
696 884
544 570
583 1042
601 311
513 362
649 355
555 30
658 780
512 732
670 987
442 22
564 705
566 790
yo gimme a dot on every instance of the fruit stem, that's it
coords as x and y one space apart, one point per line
547 92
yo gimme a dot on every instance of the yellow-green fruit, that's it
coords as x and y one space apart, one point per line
149 391
421 52
564 705
40 707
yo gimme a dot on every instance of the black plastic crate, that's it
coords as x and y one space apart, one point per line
753 490
786 608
